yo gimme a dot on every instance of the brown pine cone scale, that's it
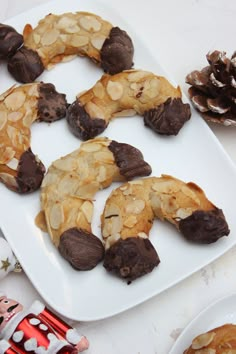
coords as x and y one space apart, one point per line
213 89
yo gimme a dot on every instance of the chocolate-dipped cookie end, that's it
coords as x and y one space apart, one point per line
30 173
81 249
204 226
129 160
117 52
169 117
25 66
81 124
131 258
10 41
51 104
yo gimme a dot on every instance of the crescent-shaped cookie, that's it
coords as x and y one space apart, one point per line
58 37
68 191
129 214
20 169
125 94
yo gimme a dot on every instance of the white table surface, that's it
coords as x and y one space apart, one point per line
187 30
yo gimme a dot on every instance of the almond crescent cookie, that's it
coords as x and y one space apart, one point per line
220 340
129 214
20 169
68 191
125 94
58 37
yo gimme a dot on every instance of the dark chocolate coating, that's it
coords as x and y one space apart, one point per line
51 104
131 258
80 123
117 52
25 66
169 117
204 226
30 173
10 41
81 248
129 160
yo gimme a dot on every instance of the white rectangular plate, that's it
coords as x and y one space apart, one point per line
194 155
217 314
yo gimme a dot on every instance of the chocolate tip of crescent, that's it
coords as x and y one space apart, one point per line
81 124
129 160
117 52
25 65
52 105
169 117
10 41
81 248
131 258
30 173
204 226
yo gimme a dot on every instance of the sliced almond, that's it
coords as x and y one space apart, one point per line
7 155
183 213
3 119
99 90
68 25
87 209
115 90
168 204
66 164
87 191
112 210
14 116
50 178
203 340
102 175
135 76
163 186
13 133
156 205
56 217
116 225
90 147
28 119
130 221
77 41
98 41
49 37
15 100
90 23
142 235
68 184
105 157
8 179
135 206
13 164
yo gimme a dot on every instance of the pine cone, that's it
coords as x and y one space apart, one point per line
213 90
